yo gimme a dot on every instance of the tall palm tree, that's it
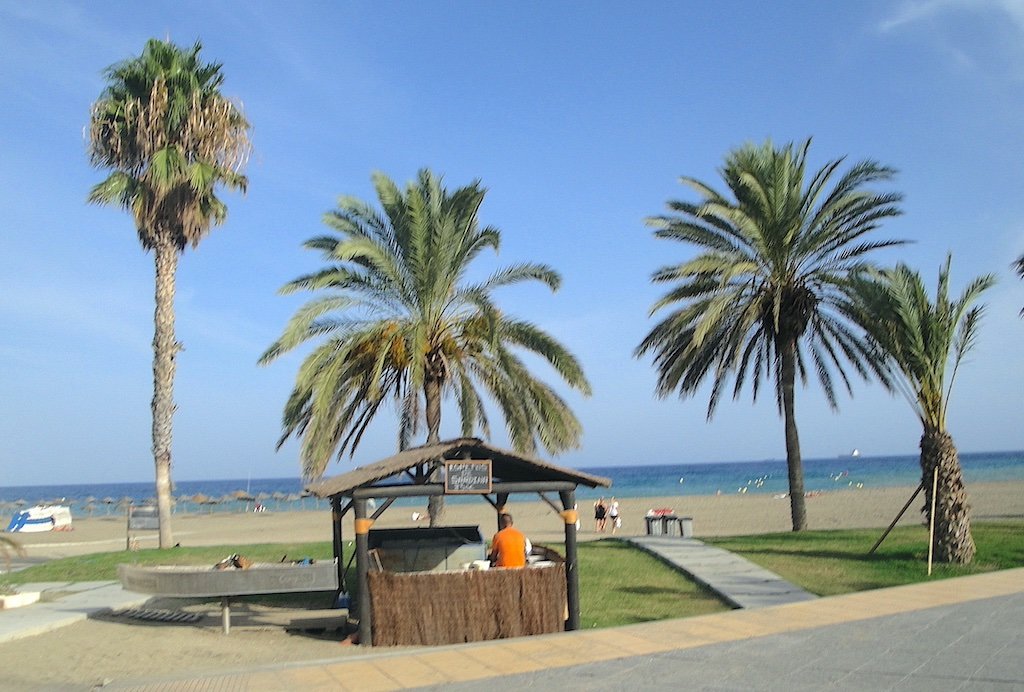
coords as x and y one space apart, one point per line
1019 264
760 300
170 137
926 341
400 322
8 546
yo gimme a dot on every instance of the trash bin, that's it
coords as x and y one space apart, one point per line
669 525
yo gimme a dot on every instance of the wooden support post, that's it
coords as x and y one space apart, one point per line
339 545
225 615
572 574
362 568
502 501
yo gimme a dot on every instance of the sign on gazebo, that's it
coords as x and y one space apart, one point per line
464 476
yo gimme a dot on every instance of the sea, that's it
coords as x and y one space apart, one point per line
632 481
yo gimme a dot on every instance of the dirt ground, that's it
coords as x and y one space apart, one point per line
97 651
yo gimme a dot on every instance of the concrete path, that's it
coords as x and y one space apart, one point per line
64 603
737 580
951 634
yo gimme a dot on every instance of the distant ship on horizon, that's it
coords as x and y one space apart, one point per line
854 453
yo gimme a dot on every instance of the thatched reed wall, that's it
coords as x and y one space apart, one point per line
454 607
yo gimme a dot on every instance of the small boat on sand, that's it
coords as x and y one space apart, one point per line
41 518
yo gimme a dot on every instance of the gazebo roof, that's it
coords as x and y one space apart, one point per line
506 466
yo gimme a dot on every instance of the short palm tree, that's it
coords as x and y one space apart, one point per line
170 137
760 300
400 322
925 343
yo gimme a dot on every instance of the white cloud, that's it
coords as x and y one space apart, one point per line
918 11
979 37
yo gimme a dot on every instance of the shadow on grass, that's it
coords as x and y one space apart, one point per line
649 590
831 554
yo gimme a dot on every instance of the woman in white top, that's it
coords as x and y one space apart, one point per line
613 514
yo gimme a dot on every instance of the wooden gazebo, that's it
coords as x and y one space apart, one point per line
466 466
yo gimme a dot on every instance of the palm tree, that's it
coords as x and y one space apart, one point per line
759 301
925 342
1020 272
170 137
8 546
400 322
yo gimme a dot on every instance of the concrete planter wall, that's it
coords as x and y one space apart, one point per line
19 599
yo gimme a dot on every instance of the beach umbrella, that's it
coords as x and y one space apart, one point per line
278 497
244 496
89 500
210 502
108 501
20 503
90 508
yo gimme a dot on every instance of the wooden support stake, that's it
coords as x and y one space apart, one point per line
931 528
899 516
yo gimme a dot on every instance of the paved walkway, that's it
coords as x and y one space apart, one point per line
737 580
64 603
952 634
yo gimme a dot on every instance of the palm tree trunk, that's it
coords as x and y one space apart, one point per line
797 501
953 540
432 396
165 349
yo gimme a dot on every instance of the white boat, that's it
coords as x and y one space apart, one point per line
41 518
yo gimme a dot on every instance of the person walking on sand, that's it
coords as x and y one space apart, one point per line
508 547
600 512
613 514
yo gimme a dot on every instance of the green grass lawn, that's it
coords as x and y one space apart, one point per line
620 585
836 562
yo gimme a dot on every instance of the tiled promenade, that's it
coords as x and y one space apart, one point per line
953 634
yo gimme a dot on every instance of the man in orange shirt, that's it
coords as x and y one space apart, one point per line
508 547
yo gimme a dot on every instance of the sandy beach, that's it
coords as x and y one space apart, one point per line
88 653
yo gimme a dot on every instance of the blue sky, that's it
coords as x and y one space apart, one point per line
578 117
